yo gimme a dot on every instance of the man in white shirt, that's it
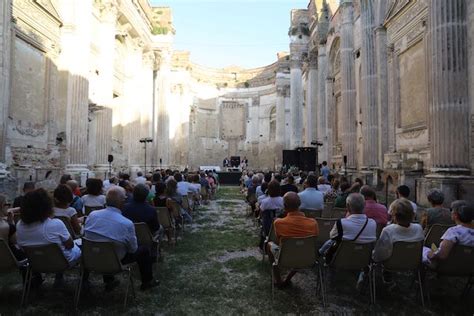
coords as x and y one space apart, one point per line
140 179
311 198
183 186
323 186
110 225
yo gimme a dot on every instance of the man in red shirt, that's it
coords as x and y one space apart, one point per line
378 212
295 224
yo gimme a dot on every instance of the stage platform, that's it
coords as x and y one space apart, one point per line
229 177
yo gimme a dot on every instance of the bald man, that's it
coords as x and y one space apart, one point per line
294 225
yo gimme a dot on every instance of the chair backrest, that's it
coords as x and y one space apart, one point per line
338 212
297 253
100 257
67 222
352 256
144 236
272 234
46 258
434 234
312 213
90 209
378 230
328 206
204 191
185 201
406 256
460 262
164 217
8 261
175 209
325 225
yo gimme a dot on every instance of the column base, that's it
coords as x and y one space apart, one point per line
79 172
102 171
454 187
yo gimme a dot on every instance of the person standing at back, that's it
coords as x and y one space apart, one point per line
311 198
325 170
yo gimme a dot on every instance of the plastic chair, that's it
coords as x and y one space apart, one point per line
44 259
311 213
298 254
352 256
67 222
325 226
406 256
8 263
328 206
164 217
435 233
101 258
338 212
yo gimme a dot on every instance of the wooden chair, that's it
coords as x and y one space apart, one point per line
164 217
90 209
44 259
298 254
270 238
204 194
176 213
312 213
186 204
67 222
8 264
352 256
435 233
406 256
338 212
101 258
325 225
144 236
328 206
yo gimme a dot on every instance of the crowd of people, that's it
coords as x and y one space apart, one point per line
284 203
102 211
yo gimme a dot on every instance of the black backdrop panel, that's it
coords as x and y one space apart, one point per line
235 161
307 157
291 158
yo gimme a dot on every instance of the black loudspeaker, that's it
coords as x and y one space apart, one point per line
235 161
110 158
345 159
307 157
291 158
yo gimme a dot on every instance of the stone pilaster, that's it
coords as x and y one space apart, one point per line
369 87
470 60
5 62
348 90
103 137
382 92
449 108
280 115
330 114
161 145
296 97
322 122
311 101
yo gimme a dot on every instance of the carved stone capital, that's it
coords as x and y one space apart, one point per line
296 63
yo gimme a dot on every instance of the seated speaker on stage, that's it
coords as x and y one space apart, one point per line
226 162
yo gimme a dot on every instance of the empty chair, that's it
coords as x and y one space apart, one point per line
325 225
101 258
338 212
164 217
313 213
44 259
8 263
434 234
406 256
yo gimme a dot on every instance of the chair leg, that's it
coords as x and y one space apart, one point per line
25 286
78 290
28 286
129 272
371 290
273 284
421 288
133 287
321 284
374 287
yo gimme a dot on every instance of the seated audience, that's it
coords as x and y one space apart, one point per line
139 211
128 187
289 186
77 202
140 179
403 191
340 200
272 206
160 196
62 199
65 178
378 212
94 197
462 234
8 229
27 187
36 227
182 186
436 214
195 186
264 188
332 194
311 198
110 225
359 182
293 225
401 229
173 195
323 186
267 177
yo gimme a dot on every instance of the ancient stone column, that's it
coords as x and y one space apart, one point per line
321 103
330 115
311 101
296 97
5 49
280 115
382 92
449 108
103 126
470 60
348 90
369 87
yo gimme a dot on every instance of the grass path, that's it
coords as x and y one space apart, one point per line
216 269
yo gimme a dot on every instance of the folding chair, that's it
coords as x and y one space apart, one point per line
352 256
8 263
176 212
435 233
460 263
270 238
327 209
406 256
186 204
144 236
338 212
325 226
164 217
44 259
298 254
67 222
310 212
89 209
192 201
204 194
100 257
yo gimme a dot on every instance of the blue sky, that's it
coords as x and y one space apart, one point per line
221 33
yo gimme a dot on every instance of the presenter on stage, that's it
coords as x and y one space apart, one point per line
225 163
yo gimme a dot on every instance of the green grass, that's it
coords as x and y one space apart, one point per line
216 269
